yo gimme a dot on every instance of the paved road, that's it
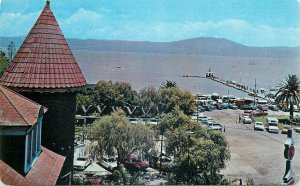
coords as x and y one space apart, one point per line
255 154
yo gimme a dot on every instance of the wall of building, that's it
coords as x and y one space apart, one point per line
58 124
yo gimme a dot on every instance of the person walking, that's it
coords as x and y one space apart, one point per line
224 128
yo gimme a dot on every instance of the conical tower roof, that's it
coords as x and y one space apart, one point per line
44 62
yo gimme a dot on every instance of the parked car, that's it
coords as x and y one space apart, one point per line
274 107
81 163
272 124
135 164
249 107
247 120
232 106
258 126
224 105
109 162
285 129
295 121
214 126
297 129
263 107
259 113
201 109
207 108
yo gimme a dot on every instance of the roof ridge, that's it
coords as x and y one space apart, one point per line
8 98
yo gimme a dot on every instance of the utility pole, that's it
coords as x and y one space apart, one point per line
254 92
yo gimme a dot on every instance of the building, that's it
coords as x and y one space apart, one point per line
23 160
45 71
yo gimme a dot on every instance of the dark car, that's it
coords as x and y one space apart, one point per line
224 105
263 107
259 113
232 106
295 121
207 107
274 107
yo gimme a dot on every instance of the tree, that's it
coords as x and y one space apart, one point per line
85 101
115 133
11 50
115 95
149 100
173 120
289 92
198 158
168 84
4 62
171 97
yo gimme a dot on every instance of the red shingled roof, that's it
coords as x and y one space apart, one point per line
44 171
44 62
16 110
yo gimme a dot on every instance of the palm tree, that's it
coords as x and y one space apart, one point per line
289 92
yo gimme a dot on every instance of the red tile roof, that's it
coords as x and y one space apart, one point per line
44 171
44 62
16 110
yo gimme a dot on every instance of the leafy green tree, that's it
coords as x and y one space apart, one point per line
114 132
171 97
4 62
85 99
115 95
172 120
198 157
289 92
149 100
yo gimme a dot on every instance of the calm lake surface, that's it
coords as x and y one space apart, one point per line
142 70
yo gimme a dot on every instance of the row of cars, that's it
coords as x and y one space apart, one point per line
209 123
218 106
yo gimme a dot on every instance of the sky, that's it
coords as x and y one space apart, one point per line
248 22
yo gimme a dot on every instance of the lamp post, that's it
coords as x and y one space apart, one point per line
189 133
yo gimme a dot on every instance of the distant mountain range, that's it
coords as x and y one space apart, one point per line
195 46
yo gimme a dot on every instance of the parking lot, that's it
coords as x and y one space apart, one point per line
255 154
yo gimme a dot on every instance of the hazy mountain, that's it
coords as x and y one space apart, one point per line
195 46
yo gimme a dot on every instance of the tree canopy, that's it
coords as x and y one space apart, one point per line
289 92
116 133
149 102
200 156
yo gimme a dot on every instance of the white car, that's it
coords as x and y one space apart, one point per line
258 126
273 128
109 162
247 120
81 163
214 126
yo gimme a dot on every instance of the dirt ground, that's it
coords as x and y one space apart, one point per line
255 154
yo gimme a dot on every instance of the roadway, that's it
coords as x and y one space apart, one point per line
255 154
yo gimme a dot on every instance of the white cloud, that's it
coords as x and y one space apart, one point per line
81 24
16 24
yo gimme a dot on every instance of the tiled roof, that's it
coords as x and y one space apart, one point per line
44 171
16 110
44 62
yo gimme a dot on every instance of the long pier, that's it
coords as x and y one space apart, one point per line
236 86
242 88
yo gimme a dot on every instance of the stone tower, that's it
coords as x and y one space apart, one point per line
45 70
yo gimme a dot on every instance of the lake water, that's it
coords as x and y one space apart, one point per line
142 70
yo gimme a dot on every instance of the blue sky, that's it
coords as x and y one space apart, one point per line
249 22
